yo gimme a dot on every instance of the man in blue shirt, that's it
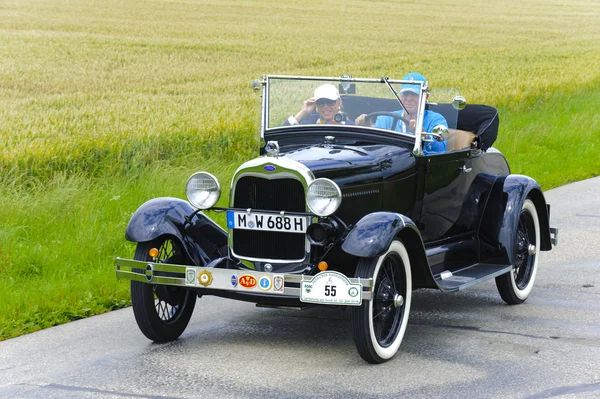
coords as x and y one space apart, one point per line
409 95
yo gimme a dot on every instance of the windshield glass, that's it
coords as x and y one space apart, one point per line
312 101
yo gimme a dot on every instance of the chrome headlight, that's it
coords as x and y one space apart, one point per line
323 197
203 190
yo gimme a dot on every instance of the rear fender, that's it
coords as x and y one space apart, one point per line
501 216
373 234
202 239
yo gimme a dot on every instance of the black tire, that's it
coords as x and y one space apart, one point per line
162 312
378 325
515 286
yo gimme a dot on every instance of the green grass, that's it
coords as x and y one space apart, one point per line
106 104
59 240
556 138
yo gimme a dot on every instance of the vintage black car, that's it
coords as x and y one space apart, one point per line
336 213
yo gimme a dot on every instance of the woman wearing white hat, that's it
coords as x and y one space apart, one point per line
327 102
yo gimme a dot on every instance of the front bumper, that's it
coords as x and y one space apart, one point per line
240 281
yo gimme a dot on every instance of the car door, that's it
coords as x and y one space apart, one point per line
445 181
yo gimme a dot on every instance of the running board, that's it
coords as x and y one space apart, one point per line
448 281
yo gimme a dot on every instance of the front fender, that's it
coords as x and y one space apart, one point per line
157 217
501 216
373 234
201 237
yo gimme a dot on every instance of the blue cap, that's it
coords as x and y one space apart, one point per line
417 77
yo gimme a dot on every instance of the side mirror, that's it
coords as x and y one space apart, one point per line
346 87
459 103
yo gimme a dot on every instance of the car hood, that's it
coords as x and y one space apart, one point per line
337 161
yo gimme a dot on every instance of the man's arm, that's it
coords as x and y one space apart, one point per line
432 120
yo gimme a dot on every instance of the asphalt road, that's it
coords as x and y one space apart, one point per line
465 345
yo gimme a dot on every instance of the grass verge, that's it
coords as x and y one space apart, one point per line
59 238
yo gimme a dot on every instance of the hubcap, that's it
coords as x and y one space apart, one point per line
398 300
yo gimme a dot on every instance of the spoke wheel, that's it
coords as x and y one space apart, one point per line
515 286
378 325
161 312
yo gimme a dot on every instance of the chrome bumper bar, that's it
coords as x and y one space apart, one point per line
233 280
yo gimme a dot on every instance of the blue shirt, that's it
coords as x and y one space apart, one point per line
430 120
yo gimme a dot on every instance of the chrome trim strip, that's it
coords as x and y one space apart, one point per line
221 278
269 260
264 111
418 148
254 167
336 79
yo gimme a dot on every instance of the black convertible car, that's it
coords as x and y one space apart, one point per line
356 201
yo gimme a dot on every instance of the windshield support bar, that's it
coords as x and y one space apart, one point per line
385 79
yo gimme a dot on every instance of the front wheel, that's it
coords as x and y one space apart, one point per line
162 312
378 325
515 286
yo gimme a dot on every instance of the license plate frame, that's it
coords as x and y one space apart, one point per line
260 221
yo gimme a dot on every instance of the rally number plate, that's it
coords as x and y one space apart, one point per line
267 222
331 288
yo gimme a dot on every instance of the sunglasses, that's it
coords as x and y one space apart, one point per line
325 101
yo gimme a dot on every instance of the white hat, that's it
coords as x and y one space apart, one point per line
327 91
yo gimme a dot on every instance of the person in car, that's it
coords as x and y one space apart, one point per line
327 103
409 95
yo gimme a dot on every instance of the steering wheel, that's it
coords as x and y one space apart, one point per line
373 115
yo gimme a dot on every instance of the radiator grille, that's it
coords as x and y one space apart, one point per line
274 195
268 244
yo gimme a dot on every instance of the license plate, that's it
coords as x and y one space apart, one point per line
331 288
267 222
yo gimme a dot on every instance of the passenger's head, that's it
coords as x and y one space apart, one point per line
328 101
409 93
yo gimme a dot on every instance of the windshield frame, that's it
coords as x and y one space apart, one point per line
423 88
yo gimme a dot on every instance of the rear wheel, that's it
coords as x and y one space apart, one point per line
378 325
515 286
162 312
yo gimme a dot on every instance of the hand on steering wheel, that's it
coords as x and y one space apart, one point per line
370 119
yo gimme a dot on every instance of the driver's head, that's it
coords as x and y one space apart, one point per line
409 93
327 98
